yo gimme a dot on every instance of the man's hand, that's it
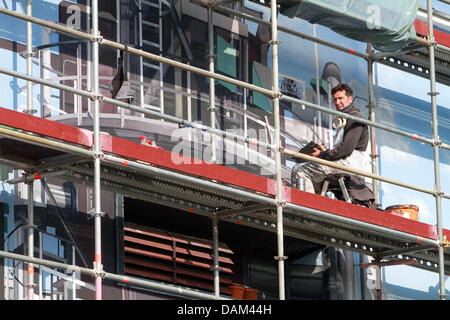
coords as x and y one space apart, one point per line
317 151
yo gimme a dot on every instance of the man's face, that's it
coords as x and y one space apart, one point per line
341 100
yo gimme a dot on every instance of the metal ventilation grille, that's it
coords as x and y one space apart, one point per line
175 258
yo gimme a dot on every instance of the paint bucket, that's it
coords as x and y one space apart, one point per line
408 211
250 294
237 291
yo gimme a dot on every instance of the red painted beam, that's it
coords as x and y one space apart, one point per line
439 36
46 127
376 217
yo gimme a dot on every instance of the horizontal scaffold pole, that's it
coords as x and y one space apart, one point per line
55 144
257 197
131 107
355 171
142 53
210 185
364 121
164 287
289 31
180 121
269 93
42 141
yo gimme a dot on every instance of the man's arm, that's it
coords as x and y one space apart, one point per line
346 147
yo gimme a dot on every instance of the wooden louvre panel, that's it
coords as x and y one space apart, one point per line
175 258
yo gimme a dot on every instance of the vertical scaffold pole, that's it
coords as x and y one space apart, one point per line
216 268
97 154
30 267
371 106
29 110
212 93
276 100
437 179
88 55
29 56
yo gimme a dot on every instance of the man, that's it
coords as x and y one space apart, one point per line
349 149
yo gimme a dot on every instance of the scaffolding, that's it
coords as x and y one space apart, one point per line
285 224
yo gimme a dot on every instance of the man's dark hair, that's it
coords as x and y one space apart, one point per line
342 86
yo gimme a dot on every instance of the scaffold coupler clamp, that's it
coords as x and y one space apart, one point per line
442 296
281 203
437 142
99 38
211 55
280 258
213 108
273 42
94 214
98 270
95 97
100 155
216 268
433 43
433 93
30 226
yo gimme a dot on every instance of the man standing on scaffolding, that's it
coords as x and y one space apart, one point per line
350 148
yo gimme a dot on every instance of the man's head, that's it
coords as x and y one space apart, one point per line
342 95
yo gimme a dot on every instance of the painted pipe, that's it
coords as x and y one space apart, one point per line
69 268
276 116
97 154
434 125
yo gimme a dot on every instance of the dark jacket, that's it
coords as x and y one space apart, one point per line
356 137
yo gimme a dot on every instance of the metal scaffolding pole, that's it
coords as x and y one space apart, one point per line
436 146
216 131
29 58
279 187
176 64
212 90
371 106
69 268
253 196
97 154
216 267
290 31
29 110
30 245
357 172
195 181
80 151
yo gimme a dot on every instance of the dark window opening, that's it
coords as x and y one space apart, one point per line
246 254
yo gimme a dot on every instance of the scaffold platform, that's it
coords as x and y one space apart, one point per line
45 148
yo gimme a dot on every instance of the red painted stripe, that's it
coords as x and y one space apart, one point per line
363 214
439 36
45 127
188 165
